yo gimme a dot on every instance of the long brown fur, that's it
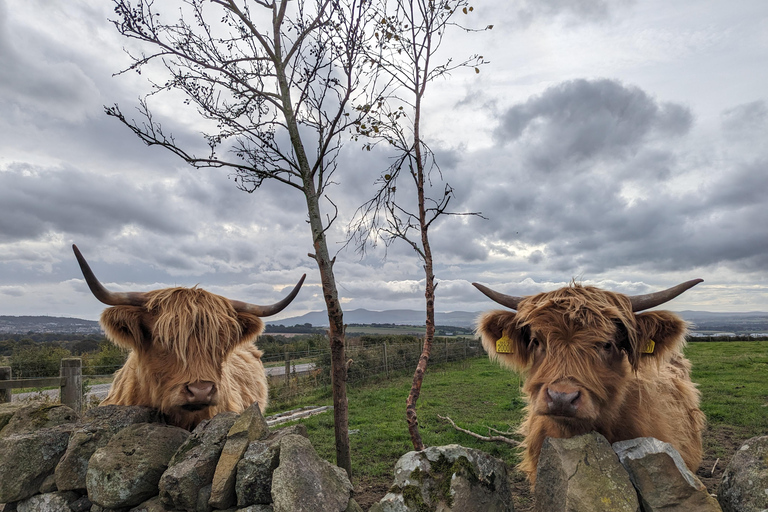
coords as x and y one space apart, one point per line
182 336
584 339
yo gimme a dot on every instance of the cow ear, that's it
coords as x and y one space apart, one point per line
126 327
252 327
659 334
504 340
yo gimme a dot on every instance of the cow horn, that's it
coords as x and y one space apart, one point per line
244 307
650 300
107 297
505 300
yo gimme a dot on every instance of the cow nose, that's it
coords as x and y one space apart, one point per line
562 402
200 392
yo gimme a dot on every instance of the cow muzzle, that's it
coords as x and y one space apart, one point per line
199 395
562 400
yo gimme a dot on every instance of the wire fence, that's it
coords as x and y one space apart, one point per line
291 373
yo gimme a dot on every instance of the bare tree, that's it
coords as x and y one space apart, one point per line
409 33
276 80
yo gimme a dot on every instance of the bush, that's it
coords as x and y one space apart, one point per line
107 360
37 361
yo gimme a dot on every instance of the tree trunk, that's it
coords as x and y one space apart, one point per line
336 335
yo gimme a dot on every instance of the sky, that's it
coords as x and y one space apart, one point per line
620 144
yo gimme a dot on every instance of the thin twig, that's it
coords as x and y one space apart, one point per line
478 436
712 471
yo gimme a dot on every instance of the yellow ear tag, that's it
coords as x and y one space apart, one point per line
504 345
649 347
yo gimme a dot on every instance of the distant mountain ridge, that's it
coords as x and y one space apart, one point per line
54 324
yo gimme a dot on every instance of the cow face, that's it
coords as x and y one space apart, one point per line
180 340
578 346
191 351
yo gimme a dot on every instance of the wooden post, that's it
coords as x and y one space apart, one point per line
386 366
72 383
5 394
287 367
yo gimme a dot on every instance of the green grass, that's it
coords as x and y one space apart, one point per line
475 393
733 380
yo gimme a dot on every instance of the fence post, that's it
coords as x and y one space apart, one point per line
287 367
72 383
5 394
386 367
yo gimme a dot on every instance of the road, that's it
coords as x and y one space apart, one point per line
100 391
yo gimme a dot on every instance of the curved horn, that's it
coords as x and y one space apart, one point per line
244 307
107 297
509 301
650 300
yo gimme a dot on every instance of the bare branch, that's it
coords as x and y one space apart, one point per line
500 439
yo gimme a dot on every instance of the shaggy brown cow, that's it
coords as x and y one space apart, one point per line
591 363
191 352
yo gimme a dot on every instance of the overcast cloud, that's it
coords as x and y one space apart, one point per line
617 143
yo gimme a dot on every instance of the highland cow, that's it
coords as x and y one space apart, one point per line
192 353
592 364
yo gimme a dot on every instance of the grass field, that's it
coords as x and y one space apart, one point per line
732 376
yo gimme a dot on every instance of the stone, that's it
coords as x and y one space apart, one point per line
37 416
28 459
250 426
582 474
126 471
49 502
303 482
745 480
151 505
82 504
253 484
193 465
96 428
661 478
7 410
448 478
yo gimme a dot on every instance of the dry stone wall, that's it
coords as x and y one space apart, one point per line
124 459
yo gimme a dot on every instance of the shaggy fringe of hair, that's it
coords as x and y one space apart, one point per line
185 313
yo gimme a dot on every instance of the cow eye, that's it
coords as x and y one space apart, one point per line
607 346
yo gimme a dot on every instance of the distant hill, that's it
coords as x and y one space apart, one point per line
392 316
42 324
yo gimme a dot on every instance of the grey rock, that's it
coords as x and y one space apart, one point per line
96 428
151 505
193 465
256 508
38 416
7 410
744 486
126 471
582 474
253 484
448 478
28 458
661 478
250 426
48 485
49 502
82 504
303 482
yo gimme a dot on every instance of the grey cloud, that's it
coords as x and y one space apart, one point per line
583 120
573 11
746 117
37 201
